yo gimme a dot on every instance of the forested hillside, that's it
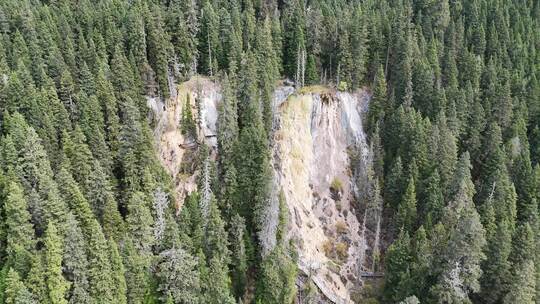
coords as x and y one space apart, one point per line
88 213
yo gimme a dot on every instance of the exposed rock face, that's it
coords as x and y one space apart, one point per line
314 136
312 142
174 149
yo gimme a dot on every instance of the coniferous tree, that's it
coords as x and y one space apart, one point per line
79 156
395 184
378 105
137 272
122 75
178 277
276 281
139 221
476 123
216 244
118 274
398 260
99 277
66 94
406 214
345 63
249 23
424 82
209 39
189 127
446 154
523 284
36 172
36 278
239 263
129 143
75 263
159 50
312 73
293 37
16 292
252 157
91 125
496 270
421 269
278 268
266 62
109 106
19 232
57 285
184 26
136 39
227 140
466 239
433 201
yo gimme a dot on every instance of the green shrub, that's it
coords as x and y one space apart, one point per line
343 86
336 185
341 227
342 250
328 248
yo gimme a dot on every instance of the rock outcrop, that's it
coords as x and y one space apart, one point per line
315 135
176 150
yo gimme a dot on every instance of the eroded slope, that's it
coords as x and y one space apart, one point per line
316 133
175 149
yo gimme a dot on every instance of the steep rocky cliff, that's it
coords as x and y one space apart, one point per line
318 130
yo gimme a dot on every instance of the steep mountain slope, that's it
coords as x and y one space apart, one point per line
316 130
316 133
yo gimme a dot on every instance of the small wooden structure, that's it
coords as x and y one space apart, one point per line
367 274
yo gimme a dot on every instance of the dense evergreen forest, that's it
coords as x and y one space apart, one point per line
87 212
